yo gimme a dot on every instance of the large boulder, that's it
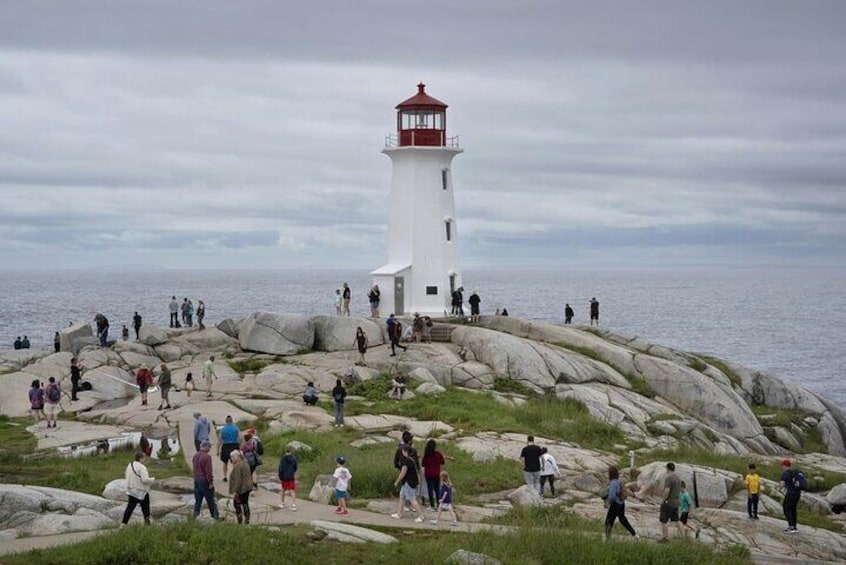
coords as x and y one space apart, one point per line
337 333
710 486
152 336
837 495
277 334
464 557
525 496
347 532
229 327
322 490
209 339
69 335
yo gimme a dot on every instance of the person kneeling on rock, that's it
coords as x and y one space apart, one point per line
310 395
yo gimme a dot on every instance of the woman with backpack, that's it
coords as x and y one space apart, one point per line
144 380
616 502
339 393
36 401
252 451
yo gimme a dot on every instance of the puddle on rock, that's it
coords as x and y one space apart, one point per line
163 446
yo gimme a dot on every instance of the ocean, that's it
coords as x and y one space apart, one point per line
788 323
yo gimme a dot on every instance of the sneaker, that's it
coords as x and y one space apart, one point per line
419 519
792 531
282 506
293 507
395 516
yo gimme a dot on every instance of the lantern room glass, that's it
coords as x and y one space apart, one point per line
421 119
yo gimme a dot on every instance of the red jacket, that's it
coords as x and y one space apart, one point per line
144 376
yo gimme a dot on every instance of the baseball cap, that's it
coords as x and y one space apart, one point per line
340 460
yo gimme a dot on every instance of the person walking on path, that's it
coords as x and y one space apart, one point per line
670 506
52 398
144 380
173 307
791 481
530 458
202 430
209 375
432 462
36 401
616 501
685 504
287 473
165 384
408 480
374 297
361 342
75 376
594 312
342 477
189 384
201 313
347 296
445 500
753 490
240 486
229 438
394 334
136 324
138 482
204 480
568 314
474 301
549 471
252 450
339 393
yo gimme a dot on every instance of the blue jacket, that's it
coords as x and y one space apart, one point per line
287 468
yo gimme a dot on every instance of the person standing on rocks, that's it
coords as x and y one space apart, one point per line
409 478
136 324
374 296
240 486
36 401
202 430
338 301
670 505
229 438
201 313
102 329
144 380
165 384
594 312
616 501
75 377
252 450
138 482
530 458
204 479
190 314
173 307
287 473
339 393
394 334
549 470
209 375
791 483
183 308
347 297
753 490
124 333
474 301
568 314
53 396
427 329
361 342
57 342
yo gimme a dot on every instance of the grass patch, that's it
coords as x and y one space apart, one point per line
697 364
586 351
811 439
640 385
13 436
735 379
187 544
244 366
506 385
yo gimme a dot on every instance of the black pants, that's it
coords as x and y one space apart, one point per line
551 479
395 343
137 329
752 505
791 501
616 511
310 400
242 507
130 508
433 485
174 319
74 389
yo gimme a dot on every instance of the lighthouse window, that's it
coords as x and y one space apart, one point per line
448 225
444 177
432 290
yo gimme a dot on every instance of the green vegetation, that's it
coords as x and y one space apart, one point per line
810 439
640 385
697 364
735 379
502 384
186 544
586 351
20 464
244 366
546 416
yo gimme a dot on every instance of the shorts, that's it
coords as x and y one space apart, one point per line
52 409
408 492
289 485
341 494
445 505
684 516
226 449
668 513
143 388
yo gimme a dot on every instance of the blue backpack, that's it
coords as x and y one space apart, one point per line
799 481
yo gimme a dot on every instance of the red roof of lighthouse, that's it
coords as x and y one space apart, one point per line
421 100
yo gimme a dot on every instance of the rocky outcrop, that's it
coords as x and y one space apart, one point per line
711 487
46 511
337 333
348 533
151 335
276 334
70 336
322 490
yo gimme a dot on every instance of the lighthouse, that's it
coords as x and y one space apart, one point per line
422 268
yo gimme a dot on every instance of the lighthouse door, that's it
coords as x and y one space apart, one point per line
399 296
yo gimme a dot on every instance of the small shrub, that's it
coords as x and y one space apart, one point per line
697 364
723 367
244 366
510 385
640 385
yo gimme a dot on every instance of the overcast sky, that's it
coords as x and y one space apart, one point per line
248 134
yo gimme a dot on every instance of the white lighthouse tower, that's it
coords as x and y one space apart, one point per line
422 266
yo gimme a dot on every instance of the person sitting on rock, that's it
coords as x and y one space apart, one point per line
310 395
18 343
397 388
25 343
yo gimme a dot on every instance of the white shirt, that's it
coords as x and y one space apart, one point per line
342 478
548 465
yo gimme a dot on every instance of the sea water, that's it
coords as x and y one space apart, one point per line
788 323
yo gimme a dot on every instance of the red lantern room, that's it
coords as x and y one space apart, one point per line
421 120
